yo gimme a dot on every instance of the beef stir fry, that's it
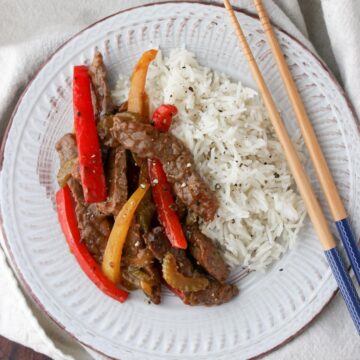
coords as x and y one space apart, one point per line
130 196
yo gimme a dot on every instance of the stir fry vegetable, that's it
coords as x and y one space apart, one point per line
165 205
177 280
113 251
134 278
161 189
162 117
68 223
91 167
137 101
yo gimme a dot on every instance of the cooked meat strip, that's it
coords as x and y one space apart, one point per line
116 174
116 182
146 141
180 208
139 268
94 227
76 172
215 294
207 254
98 74
158 243
66 148
134 242
68 158
154 293
106 123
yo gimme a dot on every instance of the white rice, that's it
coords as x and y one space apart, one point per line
236 151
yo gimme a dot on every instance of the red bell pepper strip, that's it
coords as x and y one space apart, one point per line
162 116
68 223
161 189
91 168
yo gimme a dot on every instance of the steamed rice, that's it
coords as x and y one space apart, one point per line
236 151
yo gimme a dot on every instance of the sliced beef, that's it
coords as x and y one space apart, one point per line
140 270
146 141
134 242
153 290
116 182
94 227
207 254
66 148
98 74
158 243
68 153
215 294
180 208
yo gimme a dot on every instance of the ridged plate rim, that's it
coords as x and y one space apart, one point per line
25 284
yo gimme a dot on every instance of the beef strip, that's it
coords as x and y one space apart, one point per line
98 74
154 271
134 243
66 148
215 294
180 208
94 227
178 163
116 174
158 243
116 182
207 254
134 250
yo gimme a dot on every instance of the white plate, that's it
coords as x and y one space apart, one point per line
271 307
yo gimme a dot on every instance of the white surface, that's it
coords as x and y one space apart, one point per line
19 60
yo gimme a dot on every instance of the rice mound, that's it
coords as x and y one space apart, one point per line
226 127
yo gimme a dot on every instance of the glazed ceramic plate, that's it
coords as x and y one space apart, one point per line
273 306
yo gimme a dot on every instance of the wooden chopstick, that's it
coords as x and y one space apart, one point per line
302 181
317 157
312 205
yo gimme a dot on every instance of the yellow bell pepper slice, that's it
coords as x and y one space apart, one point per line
113 251
137 101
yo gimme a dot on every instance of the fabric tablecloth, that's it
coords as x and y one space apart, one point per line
30 30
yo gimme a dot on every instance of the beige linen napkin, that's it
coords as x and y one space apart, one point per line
30 30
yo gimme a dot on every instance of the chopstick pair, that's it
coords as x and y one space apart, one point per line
314 210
